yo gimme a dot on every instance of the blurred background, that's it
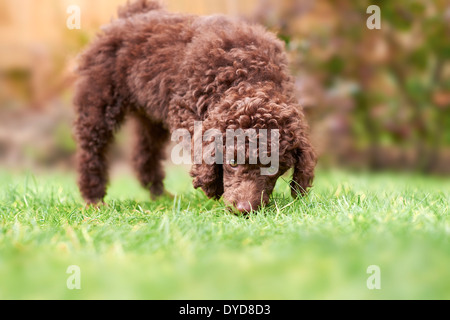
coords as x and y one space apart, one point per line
375 99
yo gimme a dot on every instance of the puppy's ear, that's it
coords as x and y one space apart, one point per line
305 160
303 172
209 177
207 170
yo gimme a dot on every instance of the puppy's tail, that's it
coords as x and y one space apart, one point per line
138 6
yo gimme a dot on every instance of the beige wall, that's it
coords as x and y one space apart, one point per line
29 28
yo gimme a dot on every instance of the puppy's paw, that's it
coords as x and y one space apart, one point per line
95 203
163 193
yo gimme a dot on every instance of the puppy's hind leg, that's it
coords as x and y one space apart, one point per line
94 128
148 154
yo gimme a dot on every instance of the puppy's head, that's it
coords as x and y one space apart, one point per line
247 147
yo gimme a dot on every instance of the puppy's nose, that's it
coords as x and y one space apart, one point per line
244 206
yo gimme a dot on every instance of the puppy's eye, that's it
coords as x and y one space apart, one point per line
272 170
233 163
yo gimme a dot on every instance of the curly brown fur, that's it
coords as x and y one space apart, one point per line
169 70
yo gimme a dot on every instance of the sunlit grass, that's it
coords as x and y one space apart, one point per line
190 247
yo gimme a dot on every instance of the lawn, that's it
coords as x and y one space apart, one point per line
189 247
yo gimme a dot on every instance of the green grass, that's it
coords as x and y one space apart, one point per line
189 247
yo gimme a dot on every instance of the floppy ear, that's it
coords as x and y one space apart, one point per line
305 160
209 177
207 174
303 175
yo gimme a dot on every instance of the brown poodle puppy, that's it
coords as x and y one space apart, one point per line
170 70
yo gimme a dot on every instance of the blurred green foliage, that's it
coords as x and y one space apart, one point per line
400 74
